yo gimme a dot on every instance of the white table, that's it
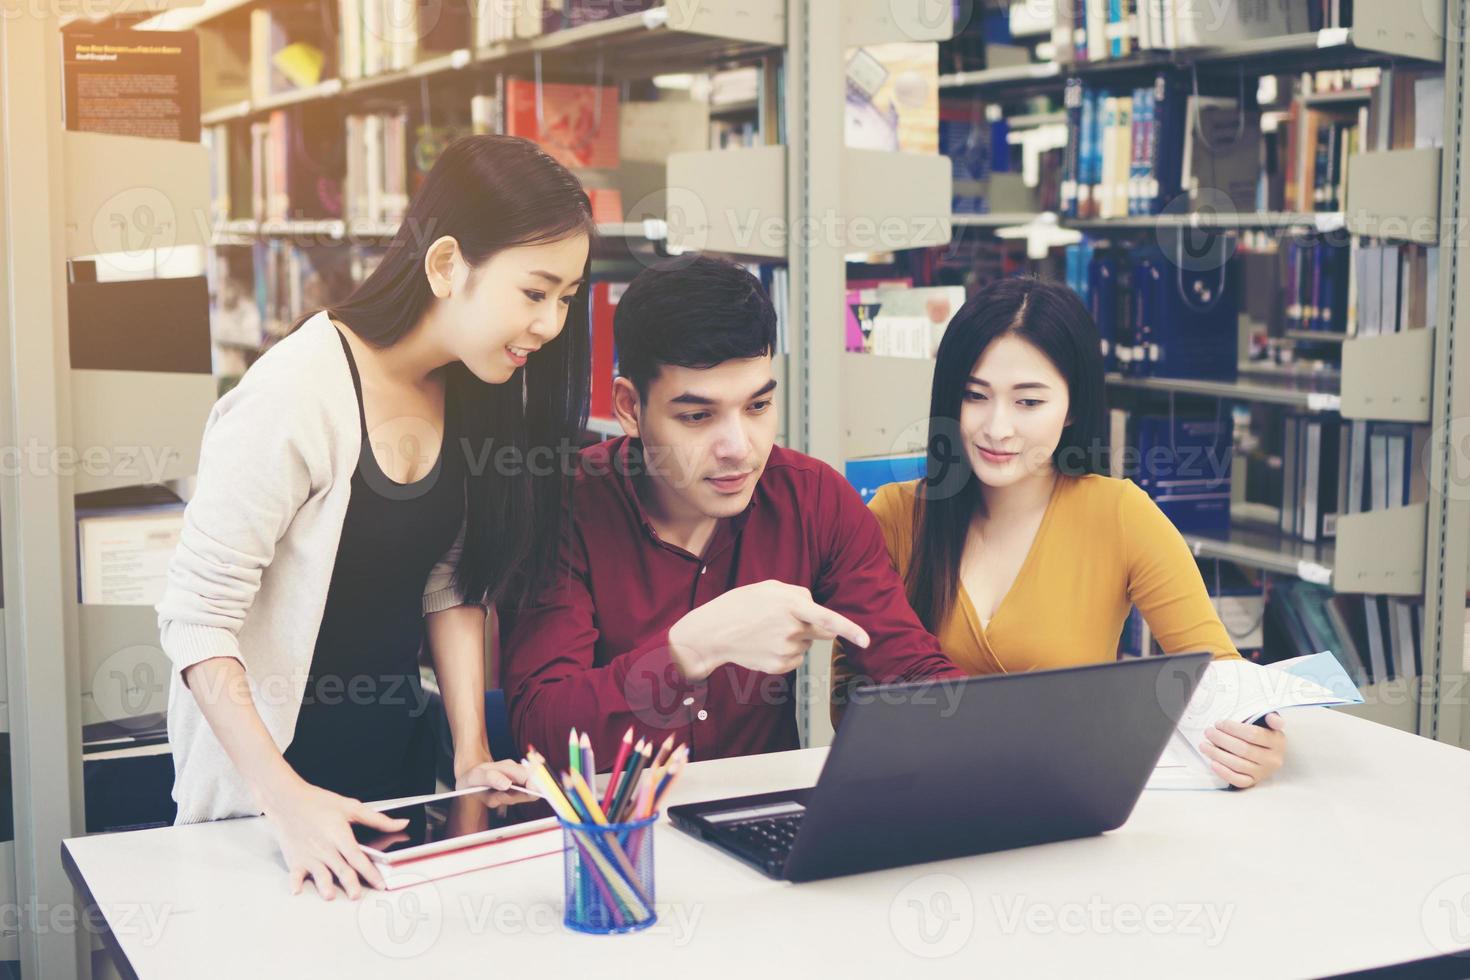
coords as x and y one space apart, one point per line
1357 855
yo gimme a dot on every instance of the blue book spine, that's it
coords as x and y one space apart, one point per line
1072 155
1149 184
1185 469
1088 135
1169 108
1196 323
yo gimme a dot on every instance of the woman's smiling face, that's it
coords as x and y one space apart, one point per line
1013 411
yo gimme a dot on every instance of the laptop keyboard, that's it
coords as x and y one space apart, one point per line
768 840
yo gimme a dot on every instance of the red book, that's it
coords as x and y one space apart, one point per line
605 296
579 123
607 205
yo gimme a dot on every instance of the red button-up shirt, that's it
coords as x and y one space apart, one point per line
592 651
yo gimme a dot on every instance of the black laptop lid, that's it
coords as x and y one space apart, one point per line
940 769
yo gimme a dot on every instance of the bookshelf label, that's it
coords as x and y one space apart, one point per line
1310 571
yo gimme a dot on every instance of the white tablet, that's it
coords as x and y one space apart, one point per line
453 820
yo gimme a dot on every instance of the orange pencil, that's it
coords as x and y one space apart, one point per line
663 752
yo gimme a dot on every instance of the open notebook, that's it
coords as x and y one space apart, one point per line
1247 692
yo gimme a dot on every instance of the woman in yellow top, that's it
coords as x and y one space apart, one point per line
1014 550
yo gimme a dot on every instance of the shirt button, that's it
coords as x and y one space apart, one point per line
702 714
688 701
703 569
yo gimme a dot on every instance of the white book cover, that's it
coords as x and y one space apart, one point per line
1398 450
1377 654
1209 25
1241 691
478 857
124 557
1401 618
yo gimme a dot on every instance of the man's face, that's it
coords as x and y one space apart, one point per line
707 433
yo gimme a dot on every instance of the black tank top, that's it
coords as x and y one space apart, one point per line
363 730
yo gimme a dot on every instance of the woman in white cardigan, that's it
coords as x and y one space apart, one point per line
379 476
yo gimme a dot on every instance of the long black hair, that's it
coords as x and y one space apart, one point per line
1052 318
492 193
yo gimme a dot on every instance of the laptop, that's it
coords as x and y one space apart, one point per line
945 768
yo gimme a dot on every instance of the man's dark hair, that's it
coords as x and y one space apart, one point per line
694 313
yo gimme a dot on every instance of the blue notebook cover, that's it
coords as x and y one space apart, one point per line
1184 466
869 475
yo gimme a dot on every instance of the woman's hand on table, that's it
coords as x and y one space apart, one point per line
1244 755
314 829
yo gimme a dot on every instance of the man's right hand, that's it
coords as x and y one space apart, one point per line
766 627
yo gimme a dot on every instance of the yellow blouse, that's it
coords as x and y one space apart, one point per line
1103 546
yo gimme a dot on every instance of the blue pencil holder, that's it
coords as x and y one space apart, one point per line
609 876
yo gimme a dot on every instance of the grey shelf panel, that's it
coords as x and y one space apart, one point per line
322 90
1258 546
885 404
1394 194
243 230
1388 377
666 39
1319 220
1393 702
1318 336
143 424
1046 76
638 45
438 65
1382 552
111 181
734 201
1292 393
1379 552
994 219
124 671
1383 33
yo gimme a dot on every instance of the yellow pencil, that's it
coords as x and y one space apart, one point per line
588 800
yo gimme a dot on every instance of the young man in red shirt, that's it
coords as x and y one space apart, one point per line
703 559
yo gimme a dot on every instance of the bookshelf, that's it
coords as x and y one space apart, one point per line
837 405
1389 196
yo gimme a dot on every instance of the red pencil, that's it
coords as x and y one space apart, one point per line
617 768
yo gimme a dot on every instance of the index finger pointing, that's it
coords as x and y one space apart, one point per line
825 619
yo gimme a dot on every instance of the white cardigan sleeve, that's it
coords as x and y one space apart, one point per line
265 449
440 591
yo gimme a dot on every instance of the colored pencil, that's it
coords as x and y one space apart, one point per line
624 800
676 766
589 802
617 769
629 892
663 752
640 751
574 755
589 767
